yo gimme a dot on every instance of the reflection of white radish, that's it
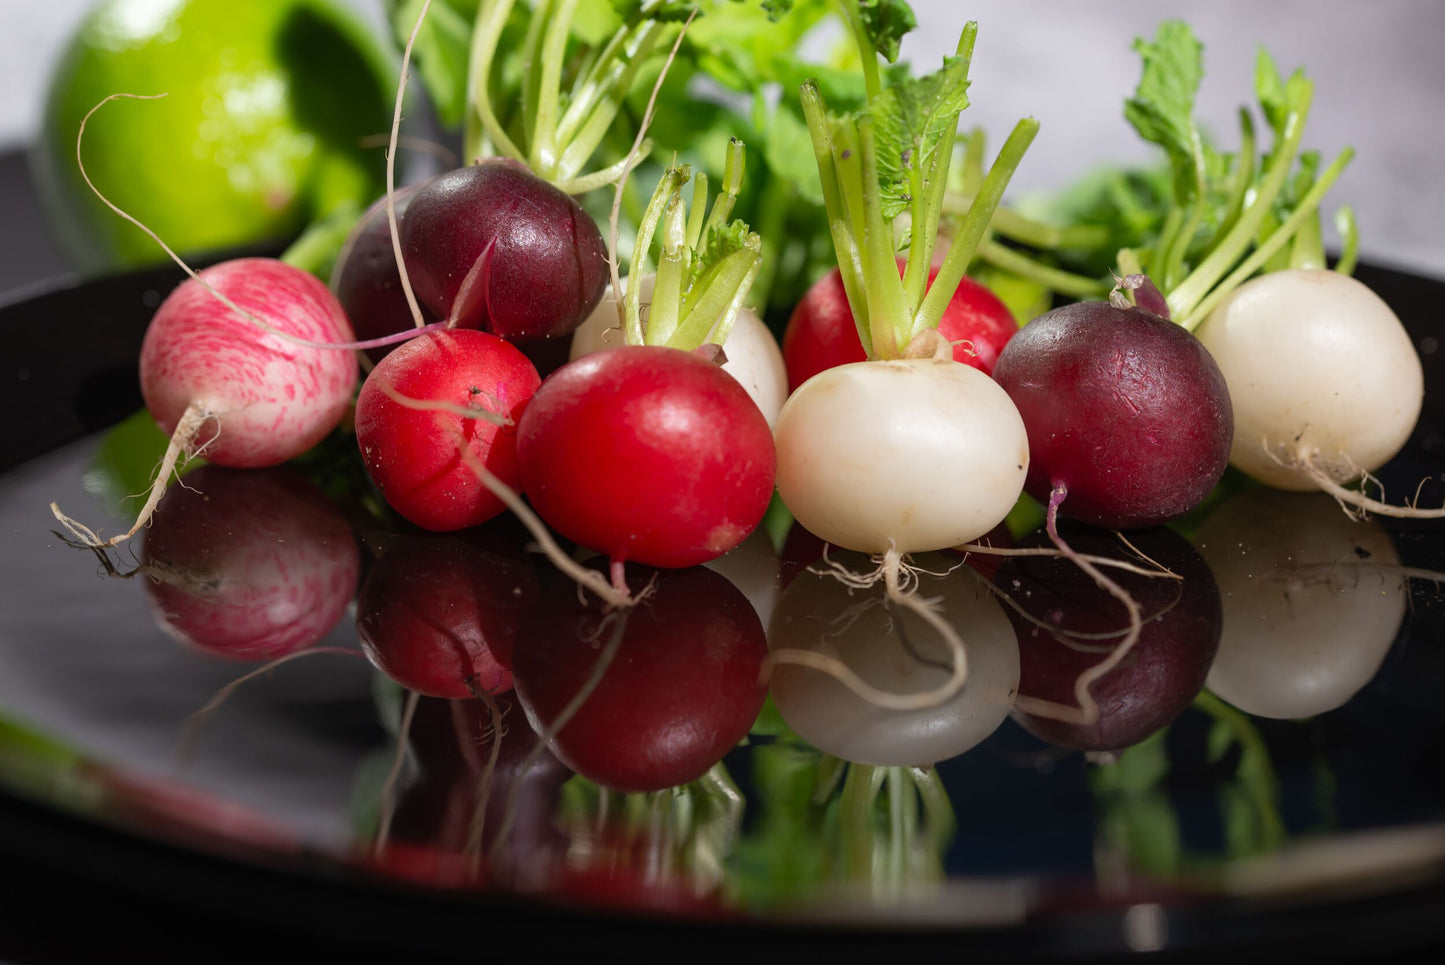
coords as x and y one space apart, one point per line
753 356
1312 602
753 567
1323 378
821 614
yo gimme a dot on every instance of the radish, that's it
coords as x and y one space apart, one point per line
649 452
422 404
751 351
911 452
1349 395
821 332
242 363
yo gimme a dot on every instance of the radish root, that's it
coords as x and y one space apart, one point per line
897 578
182 443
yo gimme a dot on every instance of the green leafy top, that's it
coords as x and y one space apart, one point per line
890 157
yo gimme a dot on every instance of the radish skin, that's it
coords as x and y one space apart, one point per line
1321 373
911 455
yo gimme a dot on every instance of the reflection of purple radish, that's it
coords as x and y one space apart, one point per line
249 564
680 689
440 615
366 280
1162 673
493 246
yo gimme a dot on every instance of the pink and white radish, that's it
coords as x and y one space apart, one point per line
242 363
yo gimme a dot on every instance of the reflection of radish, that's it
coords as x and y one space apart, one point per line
658 693
1069 625
897 652
1312 602
439 616
251 565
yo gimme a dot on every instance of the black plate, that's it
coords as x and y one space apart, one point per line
248 851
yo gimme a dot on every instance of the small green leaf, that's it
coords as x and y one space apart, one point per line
886 22
1162 108
910 117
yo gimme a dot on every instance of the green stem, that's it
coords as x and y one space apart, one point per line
606 176
1307 207
317 248
971 232
732 186
491 18
1063 282
1243 178
602 115
884 287
532 66
672 181
867 55
845 244
1185 298
663 316
549 90
1349 239
1009 224
715 300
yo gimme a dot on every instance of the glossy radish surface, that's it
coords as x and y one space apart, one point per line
1320 370
414 455
249 565
914 455
265 399
493 246
821 332
440 615
1124 409
680 686
647 454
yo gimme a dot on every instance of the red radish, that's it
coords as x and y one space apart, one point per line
410 425
821 333
439 616
249 565
1125 411
647 454
649 697
494 246
225 368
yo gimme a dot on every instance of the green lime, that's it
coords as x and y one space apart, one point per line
268 105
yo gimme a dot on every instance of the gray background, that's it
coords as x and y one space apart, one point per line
1377 67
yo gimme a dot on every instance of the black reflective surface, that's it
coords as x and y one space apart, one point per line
314 804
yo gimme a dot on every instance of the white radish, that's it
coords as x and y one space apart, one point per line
1324 380
753 356
908 455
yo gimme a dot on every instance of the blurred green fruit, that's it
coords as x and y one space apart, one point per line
260 132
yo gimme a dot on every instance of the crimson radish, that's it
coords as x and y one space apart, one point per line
649 452
427 400
821 332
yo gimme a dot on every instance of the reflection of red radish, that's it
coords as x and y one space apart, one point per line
681 689
439 615
249 564
1157 679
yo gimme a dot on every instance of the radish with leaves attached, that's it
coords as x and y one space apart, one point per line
910 451
649 452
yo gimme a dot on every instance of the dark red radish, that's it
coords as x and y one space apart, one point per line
1125 411
439 615
647 454
659 692
821 333
366 280
1069 624
249 564
494 246
410 425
